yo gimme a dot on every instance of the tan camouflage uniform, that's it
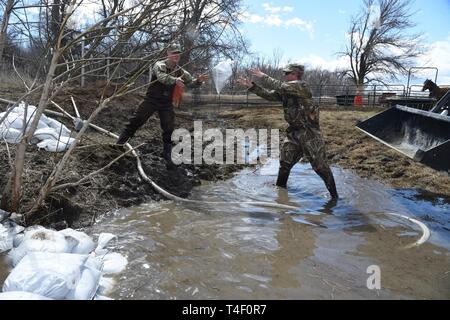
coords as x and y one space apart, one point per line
304 138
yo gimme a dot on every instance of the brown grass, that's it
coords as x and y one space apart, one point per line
351 149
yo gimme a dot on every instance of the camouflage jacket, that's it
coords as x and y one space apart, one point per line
164 79
296 97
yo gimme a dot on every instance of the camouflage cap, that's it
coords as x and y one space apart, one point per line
294 67
174 47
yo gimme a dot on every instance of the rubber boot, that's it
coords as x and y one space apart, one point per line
283 176
123 139
167 155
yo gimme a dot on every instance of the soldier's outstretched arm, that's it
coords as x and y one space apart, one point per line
191 81
297 88
271 95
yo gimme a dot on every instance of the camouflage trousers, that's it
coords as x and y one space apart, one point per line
307 142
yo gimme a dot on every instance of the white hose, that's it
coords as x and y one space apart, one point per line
425 231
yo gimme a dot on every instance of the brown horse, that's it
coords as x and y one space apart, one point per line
435 91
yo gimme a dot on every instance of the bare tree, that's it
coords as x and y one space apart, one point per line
380 44
325 82
131 36
7 10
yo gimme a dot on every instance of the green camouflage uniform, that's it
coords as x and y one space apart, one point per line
303 134
159 98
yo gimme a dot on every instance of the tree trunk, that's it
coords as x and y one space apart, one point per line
14 185
4 28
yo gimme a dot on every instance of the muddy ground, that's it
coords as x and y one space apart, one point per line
121 186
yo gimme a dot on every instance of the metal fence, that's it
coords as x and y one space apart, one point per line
325 95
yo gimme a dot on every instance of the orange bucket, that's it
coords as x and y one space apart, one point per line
177 95
358 101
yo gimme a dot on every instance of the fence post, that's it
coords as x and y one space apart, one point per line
82 63
374 95
320 94
247 97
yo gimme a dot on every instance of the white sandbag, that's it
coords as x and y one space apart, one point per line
14 120
220 74
11 135
39 239
59 127
6 239
100 297
94 262
105 285
18 239
46 133
54 145
87 285
85 243
21 295
8 233
103 241
52 275
113 262
31 110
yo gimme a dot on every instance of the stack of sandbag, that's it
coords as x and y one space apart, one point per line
50 134
49 264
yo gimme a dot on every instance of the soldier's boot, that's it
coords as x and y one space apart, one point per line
331 186
283 176
167 155
327 177
123 138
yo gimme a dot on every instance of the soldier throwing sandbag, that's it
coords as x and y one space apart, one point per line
168 80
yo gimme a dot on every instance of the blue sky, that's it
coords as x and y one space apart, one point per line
312 31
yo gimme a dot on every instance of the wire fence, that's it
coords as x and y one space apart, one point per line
324 95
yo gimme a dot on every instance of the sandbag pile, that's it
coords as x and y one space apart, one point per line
63 265
50 134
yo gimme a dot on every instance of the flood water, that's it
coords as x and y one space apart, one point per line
319 251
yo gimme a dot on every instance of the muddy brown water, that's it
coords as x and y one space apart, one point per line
319 251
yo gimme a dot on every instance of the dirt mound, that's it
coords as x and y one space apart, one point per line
120 185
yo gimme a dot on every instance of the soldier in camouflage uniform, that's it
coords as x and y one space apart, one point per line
303 134
166 74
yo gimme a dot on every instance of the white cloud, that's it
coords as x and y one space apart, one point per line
299 22
288 9
273 20
341 11
267 7
436 56
278 17
251 18
315 61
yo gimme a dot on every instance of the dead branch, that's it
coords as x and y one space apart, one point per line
74 184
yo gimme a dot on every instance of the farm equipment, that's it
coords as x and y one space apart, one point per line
420 135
